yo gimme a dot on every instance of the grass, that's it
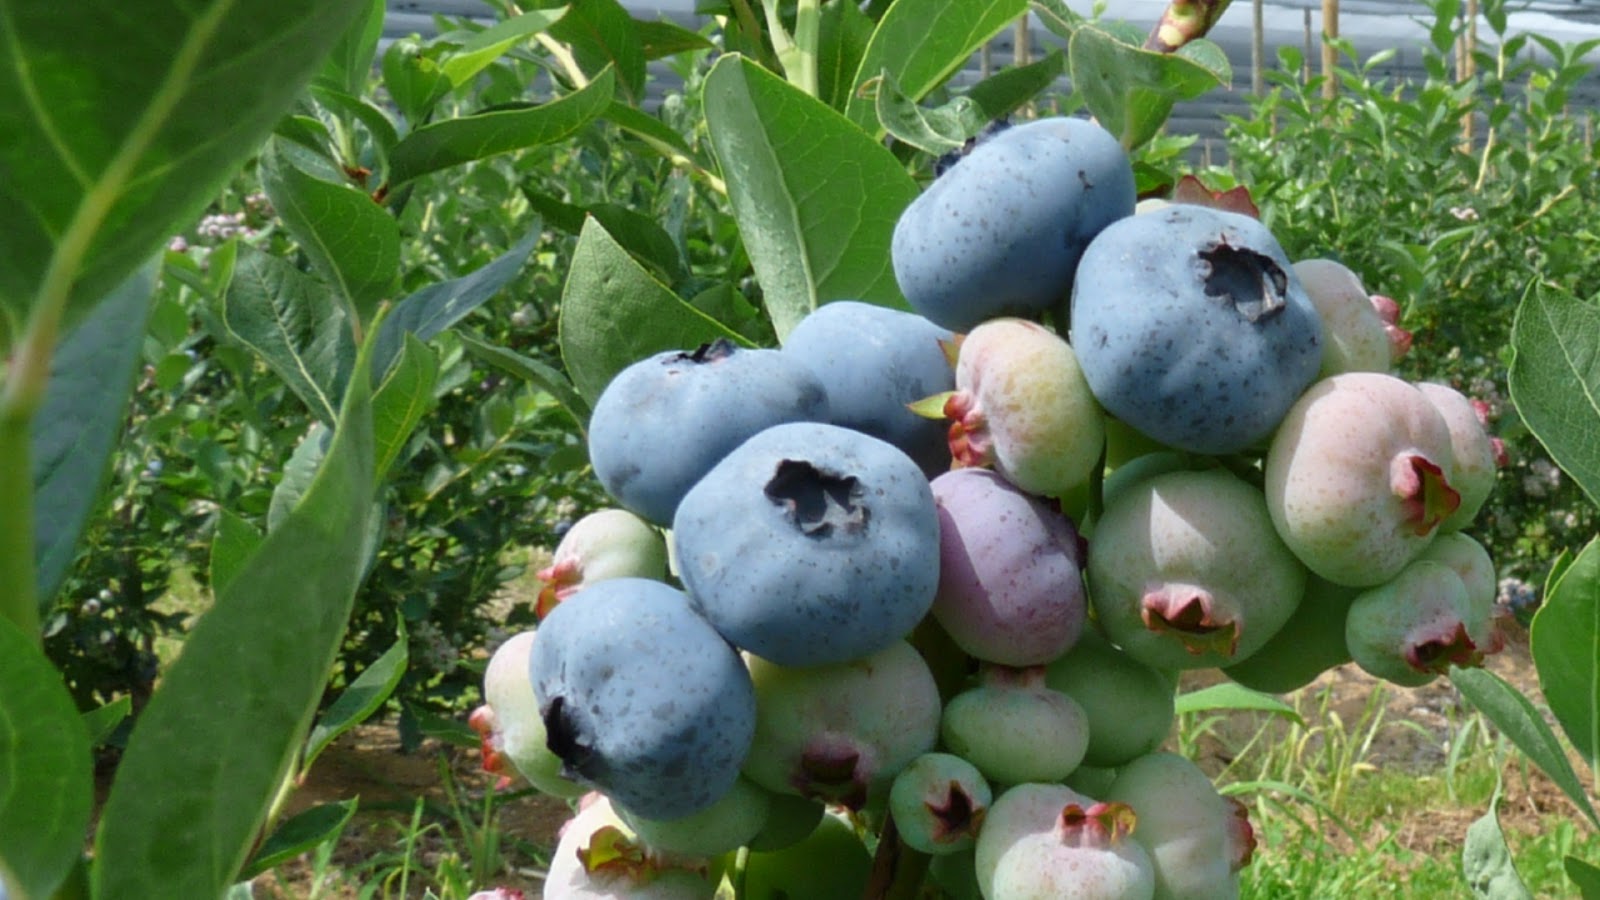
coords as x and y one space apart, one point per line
1336 816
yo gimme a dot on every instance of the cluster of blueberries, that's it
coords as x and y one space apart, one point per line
940 568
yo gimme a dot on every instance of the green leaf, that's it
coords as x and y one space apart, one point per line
650 129
1057 17
1006 91
74 432
231 546
544 377
816 199
101 721
921 43
1230 696
1129 89
1517 718
1585 875
933 131
451 731
361 110
1555 379
1565 638
659 39
431 310
404 397
842 38
46 774
306 831
294 324
1486 860
352 241
298 474
494 131
349 65
614 313
602 35
221 732
488 45
121 123
361 699
642 235
414 77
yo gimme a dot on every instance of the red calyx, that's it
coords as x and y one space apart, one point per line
1187 611
1425 494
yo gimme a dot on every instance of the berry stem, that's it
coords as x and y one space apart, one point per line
897 870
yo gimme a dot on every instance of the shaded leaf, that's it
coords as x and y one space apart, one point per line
1517 718
221 732
842 38
1131 90
1585 875
413 76
614 313
1005 91
299 471
122 122
73 433
46 774
659 39
361 699
294 324
233 543
404 397
306 831
377 122
544 377
1230 696
482 49
1555 379
349 64
921 43
101 721
816 199
1565 638
603 35
352 241
500 130
431 310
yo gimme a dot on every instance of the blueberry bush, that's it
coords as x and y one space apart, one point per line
396 348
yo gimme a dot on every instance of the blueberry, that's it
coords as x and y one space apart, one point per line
1000 232
810 544
641 698
1191 326
873 361
662 422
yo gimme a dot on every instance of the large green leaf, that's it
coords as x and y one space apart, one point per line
488 45
1555 379
499 130
353 242
1131 90
1566 652
46 774
816 198
210 751
1585 875
431 310
296 326
602 35
234 542
1517 718
91 378
921 43
402 399
544 377
613 313
120 122
842 38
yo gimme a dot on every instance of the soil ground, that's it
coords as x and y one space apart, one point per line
366 763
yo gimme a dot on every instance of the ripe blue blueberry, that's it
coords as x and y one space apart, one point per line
873 361
641 698
1192 327
1000 232
810 544
664 421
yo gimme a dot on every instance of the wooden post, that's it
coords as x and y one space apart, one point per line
1023 47
1305 59
1258 48
1330 29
